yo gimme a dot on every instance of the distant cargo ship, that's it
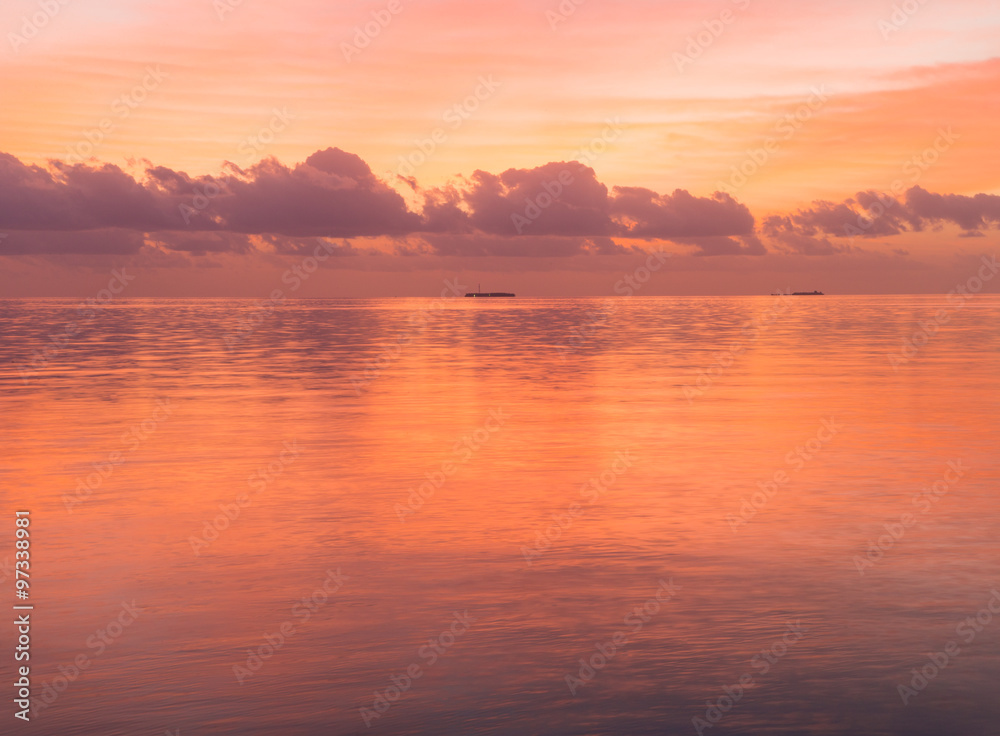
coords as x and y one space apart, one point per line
480 293
802 293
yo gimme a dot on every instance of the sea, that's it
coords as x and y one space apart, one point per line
629 515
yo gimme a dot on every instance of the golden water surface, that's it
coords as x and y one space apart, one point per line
486 492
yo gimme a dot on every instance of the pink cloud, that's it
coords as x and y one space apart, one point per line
559 209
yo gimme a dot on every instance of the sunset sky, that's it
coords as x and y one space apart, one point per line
208 146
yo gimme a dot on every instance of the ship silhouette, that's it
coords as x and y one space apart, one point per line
480 293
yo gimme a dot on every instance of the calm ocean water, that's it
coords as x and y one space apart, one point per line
342 517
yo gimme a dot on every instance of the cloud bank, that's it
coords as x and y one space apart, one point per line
557 209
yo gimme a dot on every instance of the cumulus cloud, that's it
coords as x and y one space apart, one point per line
793 237
871 214
77 197
333 193
559 209
642 213
969 213
566 199
556 209
554 199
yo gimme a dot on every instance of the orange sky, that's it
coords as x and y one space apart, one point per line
231 81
